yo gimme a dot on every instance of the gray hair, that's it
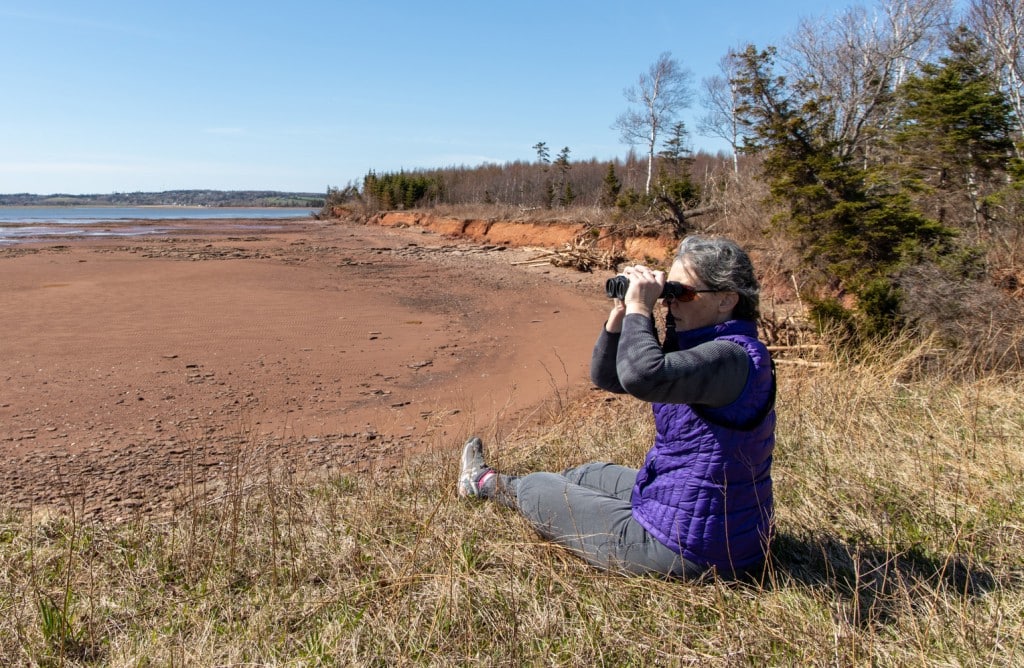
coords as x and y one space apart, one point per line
722 265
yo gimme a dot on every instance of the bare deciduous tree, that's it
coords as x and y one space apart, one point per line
917 30
659 95
719 100
853 62
1000 26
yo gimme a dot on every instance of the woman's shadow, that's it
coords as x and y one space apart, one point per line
875 582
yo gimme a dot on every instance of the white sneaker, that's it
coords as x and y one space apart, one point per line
474 472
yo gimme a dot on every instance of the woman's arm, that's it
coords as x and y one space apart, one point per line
712 374
603 362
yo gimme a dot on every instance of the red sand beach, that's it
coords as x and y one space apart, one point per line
133 366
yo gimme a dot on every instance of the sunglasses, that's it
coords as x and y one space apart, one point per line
681 292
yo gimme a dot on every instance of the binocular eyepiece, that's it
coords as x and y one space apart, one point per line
616 288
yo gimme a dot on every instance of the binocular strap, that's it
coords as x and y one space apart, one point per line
671 342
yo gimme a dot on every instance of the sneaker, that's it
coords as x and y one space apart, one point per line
474 472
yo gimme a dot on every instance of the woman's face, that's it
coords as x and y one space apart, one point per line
706 309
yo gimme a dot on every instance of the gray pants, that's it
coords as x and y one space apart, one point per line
587 510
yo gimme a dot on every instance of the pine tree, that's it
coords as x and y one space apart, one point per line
954 126
611 187
675 189
563 165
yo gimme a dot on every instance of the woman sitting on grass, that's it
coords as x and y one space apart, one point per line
703 499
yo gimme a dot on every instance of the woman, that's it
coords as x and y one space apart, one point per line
703 499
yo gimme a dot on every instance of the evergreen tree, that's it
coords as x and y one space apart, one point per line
401 190
563 165
543 154
568 194
954 126
611 187
549 194
548 187
676 149
674 188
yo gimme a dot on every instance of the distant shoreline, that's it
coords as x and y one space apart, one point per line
148 206
176 198
24 225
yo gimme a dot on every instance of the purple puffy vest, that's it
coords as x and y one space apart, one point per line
705 489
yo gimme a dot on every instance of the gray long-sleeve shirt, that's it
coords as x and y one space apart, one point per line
711 374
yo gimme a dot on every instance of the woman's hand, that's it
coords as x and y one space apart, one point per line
645 287
614 323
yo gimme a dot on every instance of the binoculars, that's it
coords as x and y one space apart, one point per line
616 288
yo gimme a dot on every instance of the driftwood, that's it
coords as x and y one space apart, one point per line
580 254
780 358
800 362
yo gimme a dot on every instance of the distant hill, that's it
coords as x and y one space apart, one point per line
261 198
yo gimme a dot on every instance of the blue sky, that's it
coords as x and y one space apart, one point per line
112 96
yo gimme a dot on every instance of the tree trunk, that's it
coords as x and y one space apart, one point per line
680 215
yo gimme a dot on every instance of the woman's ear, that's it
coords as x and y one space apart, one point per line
728 302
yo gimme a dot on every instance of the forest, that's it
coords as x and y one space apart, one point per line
877 153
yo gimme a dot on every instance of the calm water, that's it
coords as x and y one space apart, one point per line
21 223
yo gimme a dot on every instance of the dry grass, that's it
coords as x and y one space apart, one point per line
900 534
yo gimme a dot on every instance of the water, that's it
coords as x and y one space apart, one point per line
23 223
